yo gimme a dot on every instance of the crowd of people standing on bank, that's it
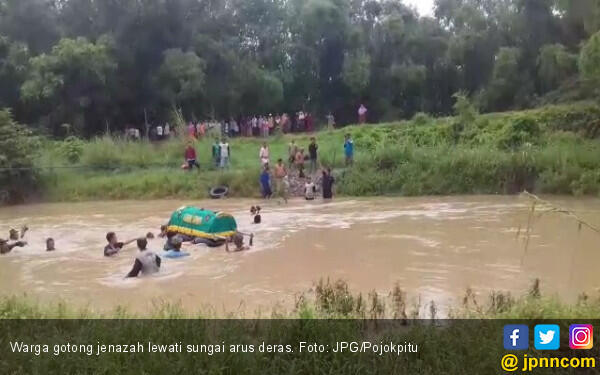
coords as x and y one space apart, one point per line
244 126
277 181
256 126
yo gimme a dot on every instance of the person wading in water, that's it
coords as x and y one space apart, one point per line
146 262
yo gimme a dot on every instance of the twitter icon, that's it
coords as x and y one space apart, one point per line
547 337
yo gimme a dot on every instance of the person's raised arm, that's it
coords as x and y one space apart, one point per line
129 242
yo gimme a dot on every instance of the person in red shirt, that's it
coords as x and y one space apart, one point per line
190 157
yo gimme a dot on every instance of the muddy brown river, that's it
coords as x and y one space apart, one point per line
434 247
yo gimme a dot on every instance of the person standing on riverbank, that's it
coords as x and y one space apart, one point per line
190 157
349 150
264 154
362 114
280 177
225 153
330 121
265 183
216 154
300 162
312 152
292 151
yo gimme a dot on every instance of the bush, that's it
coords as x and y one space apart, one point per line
421 118
519 132
464 109
17 152
72 149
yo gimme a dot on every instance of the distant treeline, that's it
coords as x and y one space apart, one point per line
85 66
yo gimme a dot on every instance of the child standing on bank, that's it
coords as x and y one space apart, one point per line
349 149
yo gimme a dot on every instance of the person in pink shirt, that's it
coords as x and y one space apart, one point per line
362 114
192 130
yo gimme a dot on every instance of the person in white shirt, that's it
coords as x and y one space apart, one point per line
225 153
159 132
264 154
362 114
167 130
309 190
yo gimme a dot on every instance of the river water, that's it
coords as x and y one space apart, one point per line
434 248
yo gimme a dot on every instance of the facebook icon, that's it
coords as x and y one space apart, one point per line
516 337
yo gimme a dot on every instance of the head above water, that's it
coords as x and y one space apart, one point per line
238 240
13 234
177 241
50 244
142 243
111 237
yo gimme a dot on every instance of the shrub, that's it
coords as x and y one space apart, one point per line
17 152
421 118
72 149
464 109
519 132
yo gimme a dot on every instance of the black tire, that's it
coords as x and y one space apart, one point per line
219 192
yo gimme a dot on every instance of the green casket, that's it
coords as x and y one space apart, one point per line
198 222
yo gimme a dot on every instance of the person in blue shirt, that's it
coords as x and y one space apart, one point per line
265 182
174 250
349 150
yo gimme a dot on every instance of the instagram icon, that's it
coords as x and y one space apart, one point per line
581 336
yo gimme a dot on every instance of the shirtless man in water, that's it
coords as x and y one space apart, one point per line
13 235
114 246
238 241
6 247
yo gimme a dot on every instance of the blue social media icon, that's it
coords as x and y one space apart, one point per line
516 337
546 337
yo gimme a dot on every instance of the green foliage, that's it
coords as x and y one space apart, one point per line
421 118
72 148
98 65
72 80
181 76
14 65
17 153
464 109
589 59
509 84
356 71
555 65
519 132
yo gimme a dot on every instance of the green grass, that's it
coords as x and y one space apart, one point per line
553 149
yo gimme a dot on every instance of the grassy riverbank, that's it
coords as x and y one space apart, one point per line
552 150
334 300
